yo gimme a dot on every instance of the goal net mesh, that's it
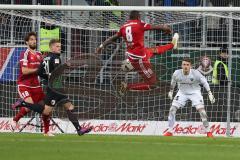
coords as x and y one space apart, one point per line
93 82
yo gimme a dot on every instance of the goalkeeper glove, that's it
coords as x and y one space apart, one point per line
211 97
170 94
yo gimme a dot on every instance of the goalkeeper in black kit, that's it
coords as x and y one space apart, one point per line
49 64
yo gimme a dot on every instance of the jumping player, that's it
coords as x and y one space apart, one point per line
138 56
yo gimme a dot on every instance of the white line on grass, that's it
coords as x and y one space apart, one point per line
47 139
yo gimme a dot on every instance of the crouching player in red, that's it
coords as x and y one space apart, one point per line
28 84
139 56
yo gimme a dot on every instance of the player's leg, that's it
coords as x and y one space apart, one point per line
24 93
158 49
163 48
51 99
171 120
38 98
204 118
197 101
47 112
144 68
73 118
178 102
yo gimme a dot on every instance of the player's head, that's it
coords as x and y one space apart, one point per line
55 46
205 62
31 40
134 15
186 65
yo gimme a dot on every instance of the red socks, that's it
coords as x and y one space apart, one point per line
23 112
138 86
20 114
46 123
162 49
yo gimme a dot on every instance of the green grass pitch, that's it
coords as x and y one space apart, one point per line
14 146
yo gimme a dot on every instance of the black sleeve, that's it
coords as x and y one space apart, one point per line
222 77
55 62
41 72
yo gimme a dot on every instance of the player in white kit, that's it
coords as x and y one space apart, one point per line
188 81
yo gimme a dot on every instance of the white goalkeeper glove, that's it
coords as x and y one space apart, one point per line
170 94
211 97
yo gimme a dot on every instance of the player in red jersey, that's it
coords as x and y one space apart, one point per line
28 84
138 56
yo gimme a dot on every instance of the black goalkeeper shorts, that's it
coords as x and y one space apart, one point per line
55 99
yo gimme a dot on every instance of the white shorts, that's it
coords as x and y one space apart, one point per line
180 100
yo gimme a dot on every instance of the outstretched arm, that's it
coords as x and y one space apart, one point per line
107 41
165 28
203 81
173 81
173 84
205 84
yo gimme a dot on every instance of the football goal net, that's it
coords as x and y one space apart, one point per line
92 81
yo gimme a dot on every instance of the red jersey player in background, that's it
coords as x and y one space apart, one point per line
138 57
28 84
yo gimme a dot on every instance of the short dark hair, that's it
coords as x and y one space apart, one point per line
53 41
187 60
26 39
223 50
134 15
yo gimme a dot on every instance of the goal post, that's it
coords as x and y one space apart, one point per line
93 82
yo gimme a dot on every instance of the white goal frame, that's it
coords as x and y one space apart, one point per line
230 10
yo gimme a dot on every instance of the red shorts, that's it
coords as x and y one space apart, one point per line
36 94
149 53
144 67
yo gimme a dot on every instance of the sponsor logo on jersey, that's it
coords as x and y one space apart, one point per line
53 102
57 61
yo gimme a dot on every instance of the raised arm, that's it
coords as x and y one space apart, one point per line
106 42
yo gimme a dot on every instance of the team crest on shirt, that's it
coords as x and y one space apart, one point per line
191 79
53 102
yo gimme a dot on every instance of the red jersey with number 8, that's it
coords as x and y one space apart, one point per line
133 34
29 60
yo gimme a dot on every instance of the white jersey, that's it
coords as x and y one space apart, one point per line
189 84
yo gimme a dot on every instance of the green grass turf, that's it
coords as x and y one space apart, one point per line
102 147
